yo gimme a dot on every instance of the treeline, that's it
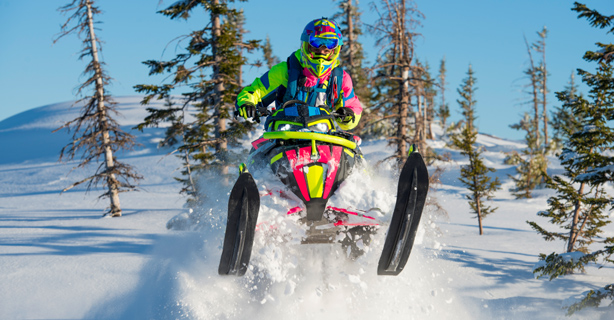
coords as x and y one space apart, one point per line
202 81
401 98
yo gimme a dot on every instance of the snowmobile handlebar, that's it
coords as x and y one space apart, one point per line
262 111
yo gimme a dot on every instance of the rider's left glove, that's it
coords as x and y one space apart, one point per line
346 115
247 110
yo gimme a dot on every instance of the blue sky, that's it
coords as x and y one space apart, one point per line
488 34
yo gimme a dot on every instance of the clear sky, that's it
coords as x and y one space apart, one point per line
488 34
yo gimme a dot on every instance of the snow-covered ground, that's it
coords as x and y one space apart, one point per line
59 259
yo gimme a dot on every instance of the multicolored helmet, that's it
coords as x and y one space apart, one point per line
318 33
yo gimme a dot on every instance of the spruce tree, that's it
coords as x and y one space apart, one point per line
267 50
475 174
540 47
95 132
430 92
423 93
395 27
352 57
206 74
581 203
443 112
531 162
385 91
238 21
533 74
564 122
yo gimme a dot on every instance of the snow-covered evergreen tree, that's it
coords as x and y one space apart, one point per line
581 204
475 174
95 132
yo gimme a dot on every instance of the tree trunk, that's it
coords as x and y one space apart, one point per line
429 121
112 182
350 34
220 107
544 112
442 83
479 207
534 87
403 115
536 108
529 176
419 137
573 232
424 119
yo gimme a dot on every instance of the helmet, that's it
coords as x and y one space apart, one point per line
317 33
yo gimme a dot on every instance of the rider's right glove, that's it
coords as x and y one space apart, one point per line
247 110
347 114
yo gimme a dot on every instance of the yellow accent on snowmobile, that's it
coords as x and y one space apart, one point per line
277 157
286 135
315 181
350 153
314 150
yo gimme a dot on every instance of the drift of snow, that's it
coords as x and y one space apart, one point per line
60 259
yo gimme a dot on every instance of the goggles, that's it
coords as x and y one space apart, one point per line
329 43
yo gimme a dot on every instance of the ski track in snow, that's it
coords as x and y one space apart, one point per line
61 260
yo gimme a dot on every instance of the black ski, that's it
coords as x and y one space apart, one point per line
411 195
243 207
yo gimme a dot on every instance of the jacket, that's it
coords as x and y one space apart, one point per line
277 78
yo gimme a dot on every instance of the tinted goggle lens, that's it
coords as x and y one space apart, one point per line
329 43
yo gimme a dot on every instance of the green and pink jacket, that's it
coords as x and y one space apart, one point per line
277 77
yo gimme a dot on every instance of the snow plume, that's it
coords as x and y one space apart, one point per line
287 279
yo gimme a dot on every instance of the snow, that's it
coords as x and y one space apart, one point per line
61 260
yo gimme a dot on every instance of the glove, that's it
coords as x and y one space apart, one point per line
346 115
247 110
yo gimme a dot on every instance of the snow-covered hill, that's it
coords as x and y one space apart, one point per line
60 259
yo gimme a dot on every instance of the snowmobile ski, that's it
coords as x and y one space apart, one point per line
411 196
243 207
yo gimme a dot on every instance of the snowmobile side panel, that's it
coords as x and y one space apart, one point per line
312 179
335 160
297 170
411 196
243 207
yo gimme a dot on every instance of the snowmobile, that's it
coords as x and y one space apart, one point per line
311 157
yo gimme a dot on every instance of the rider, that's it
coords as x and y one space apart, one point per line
311 74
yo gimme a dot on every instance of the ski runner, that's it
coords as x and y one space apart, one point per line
311 74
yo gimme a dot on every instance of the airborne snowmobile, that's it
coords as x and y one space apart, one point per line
311 157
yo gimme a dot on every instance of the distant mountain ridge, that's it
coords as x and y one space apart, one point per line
29 135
